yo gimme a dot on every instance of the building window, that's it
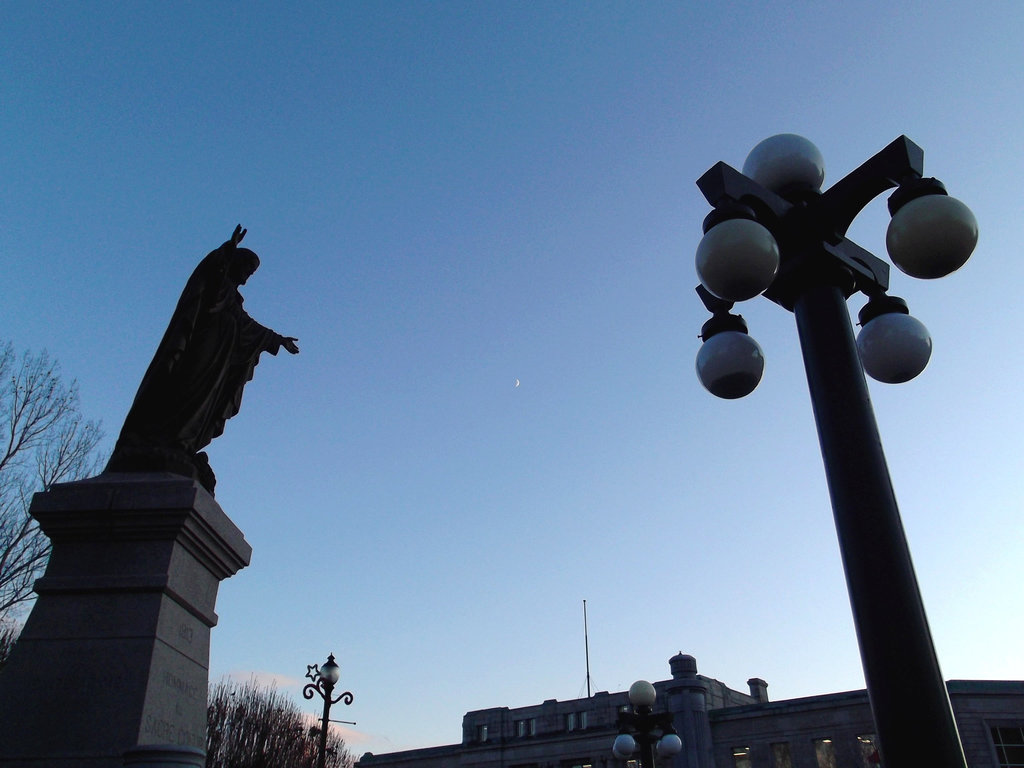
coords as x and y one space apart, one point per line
741 757
526 727
825 751
578 763
481 733
869 756
781 756
583 721
570 721
1009 744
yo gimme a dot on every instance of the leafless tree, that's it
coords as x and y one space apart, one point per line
249 726
8 634
44 440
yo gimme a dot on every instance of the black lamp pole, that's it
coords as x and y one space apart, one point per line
819 270
324 679
908 695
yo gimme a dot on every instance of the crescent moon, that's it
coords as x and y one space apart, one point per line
517 382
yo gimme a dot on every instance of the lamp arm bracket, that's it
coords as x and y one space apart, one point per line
870 273
845 264
347 696
315 688
712 303
310 689
722 183
899 162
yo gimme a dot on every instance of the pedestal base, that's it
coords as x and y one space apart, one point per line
115 653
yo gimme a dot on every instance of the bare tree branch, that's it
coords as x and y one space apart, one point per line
8 635
43 441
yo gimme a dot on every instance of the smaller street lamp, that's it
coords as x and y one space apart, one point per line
644 729
324 679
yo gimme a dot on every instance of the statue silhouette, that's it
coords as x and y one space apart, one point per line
194 384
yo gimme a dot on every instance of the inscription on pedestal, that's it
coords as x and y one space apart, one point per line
159 731
182 687
175 706
184 632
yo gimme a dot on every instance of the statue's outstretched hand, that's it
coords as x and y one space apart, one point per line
289 343
238 234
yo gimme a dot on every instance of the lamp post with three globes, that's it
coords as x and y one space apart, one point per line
774 232
644 730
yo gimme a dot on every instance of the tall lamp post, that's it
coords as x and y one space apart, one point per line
641 729
773 232
324 679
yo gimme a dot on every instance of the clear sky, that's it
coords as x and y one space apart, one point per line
449 197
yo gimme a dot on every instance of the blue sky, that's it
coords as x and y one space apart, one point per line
449 197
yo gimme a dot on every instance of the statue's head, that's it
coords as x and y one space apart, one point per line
243 263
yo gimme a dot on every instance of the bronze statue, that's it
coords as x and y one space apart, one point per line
195 381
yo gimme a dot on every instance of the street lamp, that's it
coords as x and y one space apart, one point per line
778 200
644 730
324 679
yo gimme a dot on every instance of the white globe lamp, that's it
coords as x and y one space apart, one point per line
931 236
784 162
894 347
737 259
330 671
669 744
642 694
730 364
624 746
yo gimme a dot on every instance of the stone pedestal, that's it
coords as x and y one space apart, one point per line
115 654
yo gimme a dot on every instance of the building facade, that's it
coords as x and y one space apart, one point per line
719 727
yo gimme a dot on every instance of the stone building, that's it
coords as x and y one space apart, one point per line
720 728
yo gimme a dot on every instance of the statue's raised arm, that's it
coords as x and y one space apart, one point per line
194 384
